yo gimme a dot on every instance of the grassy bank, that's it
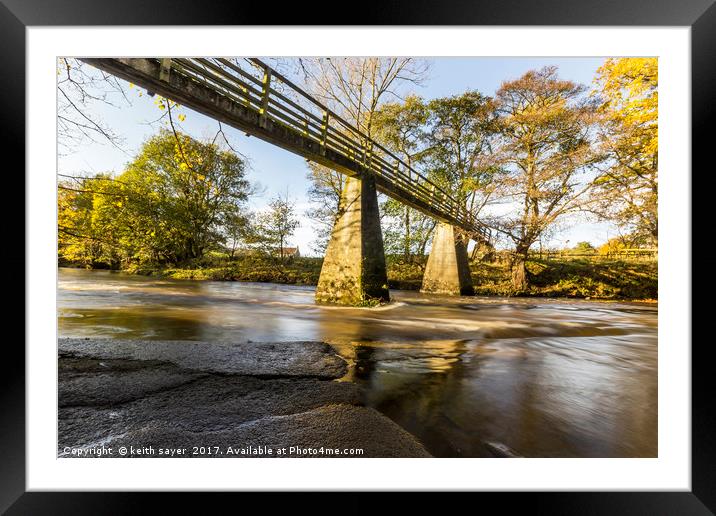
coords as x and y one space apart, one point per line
575 278
296 271
583 278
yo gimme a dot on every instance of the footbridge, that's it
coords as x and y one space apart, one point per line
251 96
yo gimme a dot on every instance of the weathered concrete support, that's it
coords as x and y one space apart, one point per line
448 271
354 270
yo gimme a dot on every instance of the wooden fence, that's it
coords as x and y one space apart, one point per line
621 254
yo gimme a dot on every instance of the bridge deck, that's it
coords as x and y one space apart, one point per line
274 109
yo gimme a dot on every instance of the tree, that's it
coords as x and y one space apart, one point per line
273 227
83 236
80 88
401 126
406 231
324 195
236 228
354 88
545 145
170 204
584 248
628 187
612 246
460 133
186 187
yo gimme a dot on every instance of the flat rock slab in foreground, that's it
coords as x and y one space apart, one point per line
168 403
315 359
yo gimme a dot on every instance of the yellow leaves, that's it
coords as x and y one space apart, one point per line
629 90
183 166
629 84
164 103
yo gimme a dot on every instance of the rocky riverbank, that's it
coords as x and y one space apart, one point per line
136 398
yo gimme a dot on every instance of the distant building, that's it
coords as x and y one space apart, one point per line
290 252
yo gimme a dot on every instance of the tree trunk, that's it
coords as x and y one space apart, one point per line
407 234
519 271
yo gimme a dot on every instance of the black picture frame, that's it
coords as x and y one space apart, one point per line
17 15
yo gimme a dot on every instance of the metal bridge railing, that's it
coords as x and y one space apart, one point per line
273 96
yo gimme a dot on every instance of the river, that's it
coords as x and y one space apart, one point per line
542 377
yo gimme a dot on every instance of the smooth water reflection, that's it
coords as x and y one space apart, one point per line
546 378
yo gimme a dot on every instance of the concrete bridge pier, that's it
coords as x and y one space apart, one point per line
353 271
448 270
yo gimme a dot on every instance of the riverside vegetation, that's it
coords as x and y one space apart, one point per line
605 279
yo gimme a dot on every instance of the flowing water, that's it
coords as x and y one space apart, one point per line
468 376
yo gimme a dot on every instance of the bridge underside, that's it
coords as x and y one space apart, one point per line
354 270
215 104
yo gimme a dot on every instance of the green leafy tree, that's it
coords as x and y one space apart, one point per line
237 231
405 235
460 133
401 128
274 227
170 205
182 191
584 248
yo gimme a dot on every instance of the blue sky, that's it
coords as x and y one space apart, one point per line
280 171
